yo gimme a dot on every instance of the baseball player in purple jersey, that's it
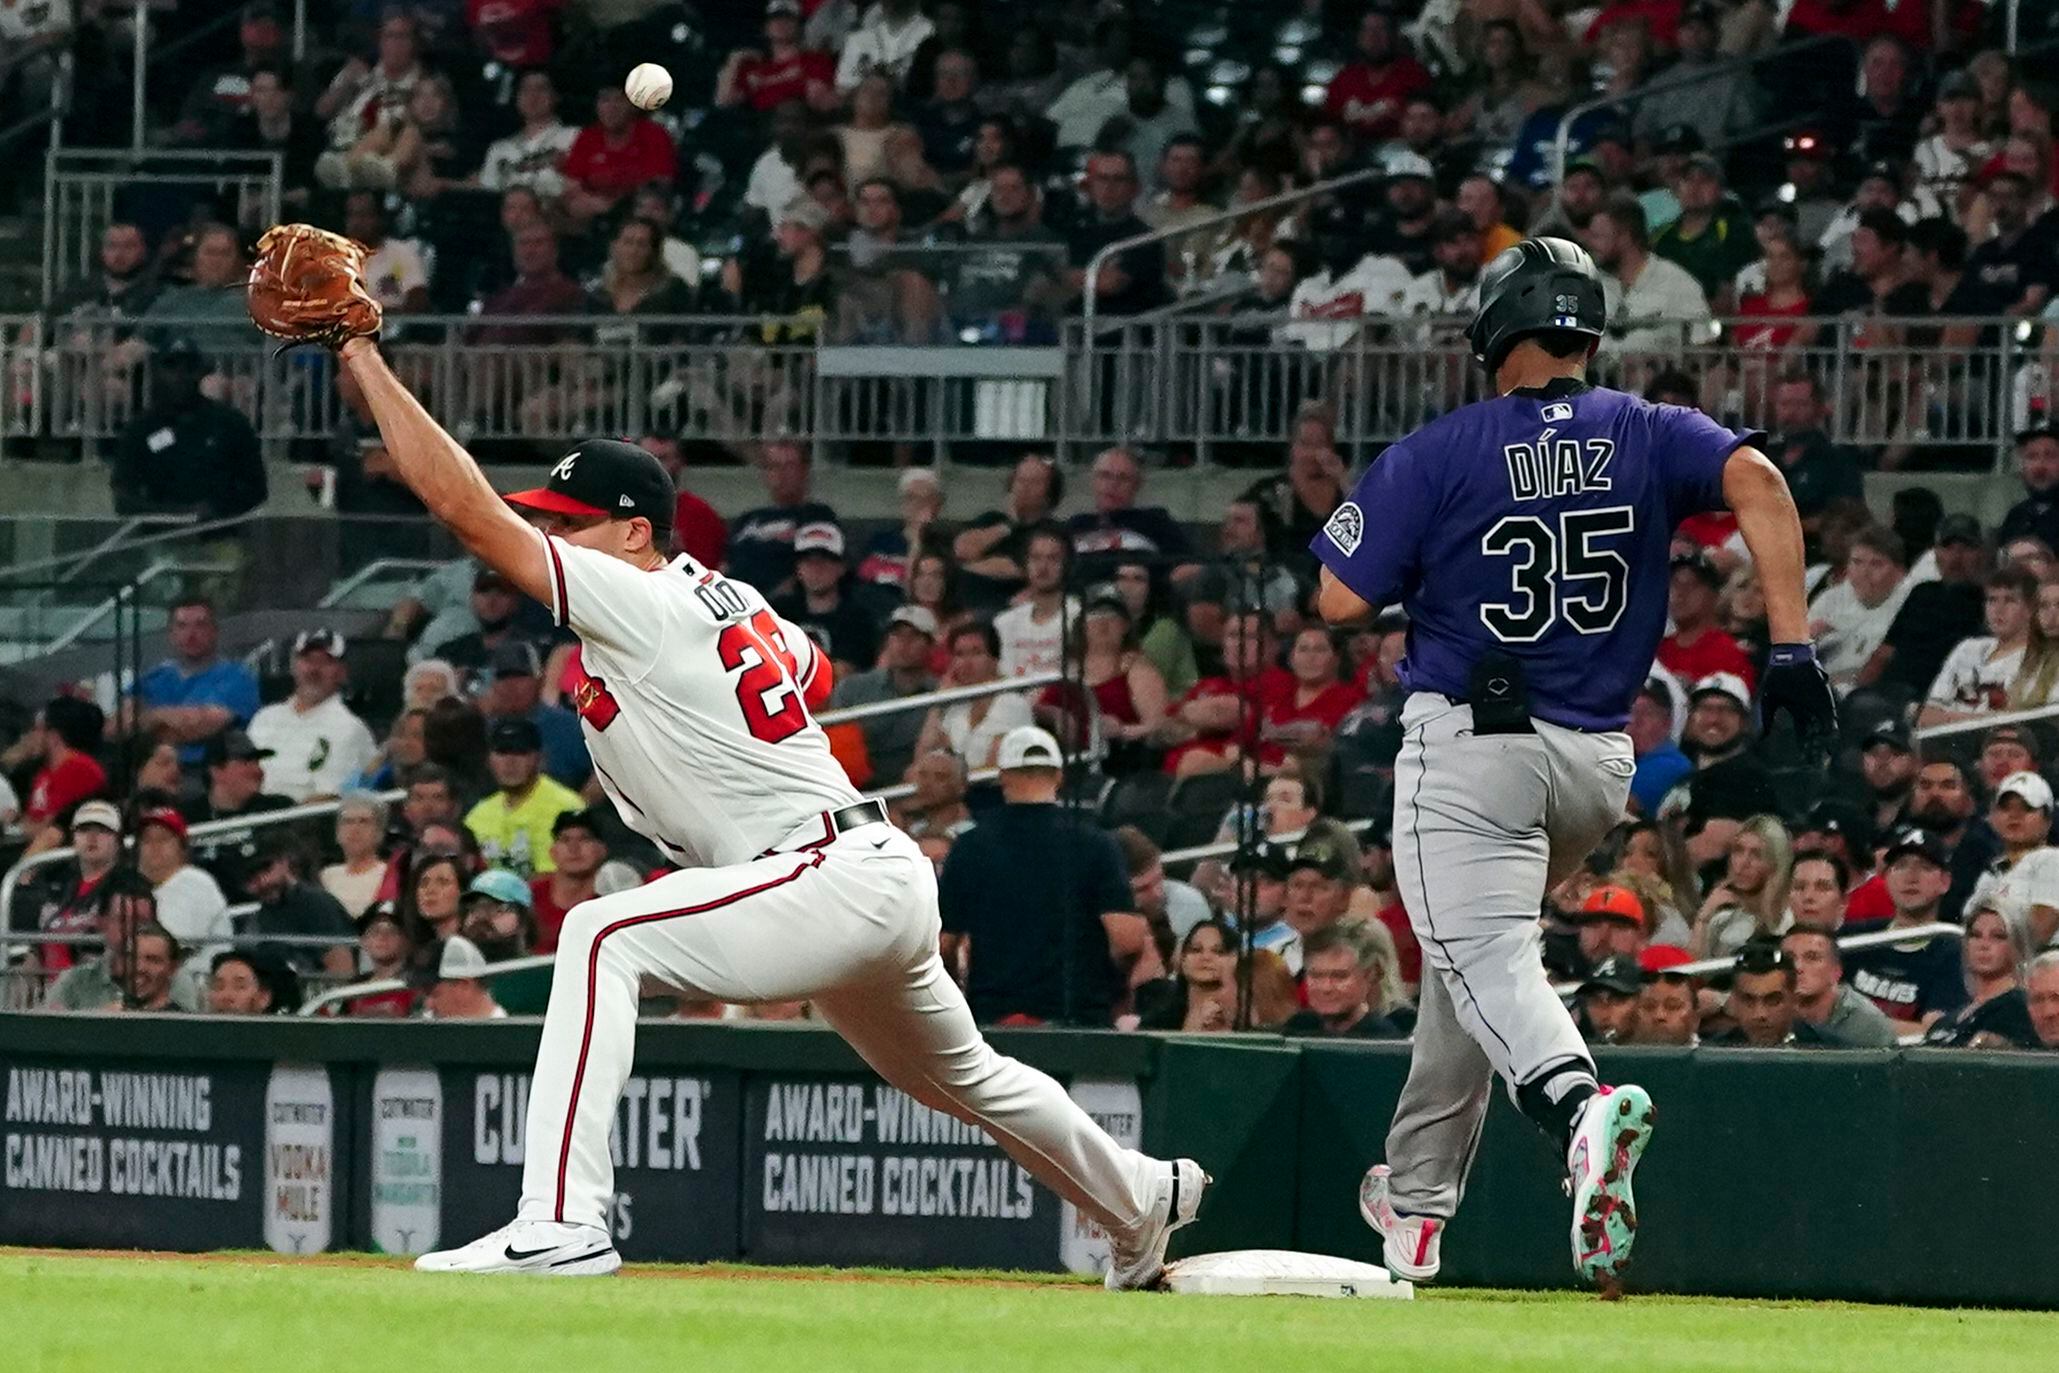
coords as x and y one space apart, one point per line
1527 537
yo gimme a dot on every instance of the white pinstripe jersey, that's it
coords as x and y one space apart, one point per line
692 701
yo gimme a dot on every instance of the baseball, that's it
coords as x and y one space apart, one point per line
649 86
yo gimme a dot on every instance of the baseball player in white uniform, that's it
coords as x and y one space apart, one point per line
695 705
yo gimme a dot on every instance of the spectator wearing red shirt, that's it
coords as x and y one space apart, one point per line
783 71
516 32
1369 93
69 734
578 849
696 529
1222 714
1697 647
1306 716
613 156
540 288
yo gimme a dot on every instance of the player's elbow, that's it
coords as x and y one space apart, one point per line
1753 484
1338 604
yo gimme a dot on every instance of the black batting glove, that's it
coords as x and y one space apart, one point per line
1796 683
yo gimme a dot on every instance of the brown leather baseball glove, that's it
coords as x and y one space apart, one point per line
308 286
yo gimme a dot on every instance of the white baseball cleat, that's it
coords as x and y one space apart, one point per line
542 1248
1409 1244
1141 1263
1608 1139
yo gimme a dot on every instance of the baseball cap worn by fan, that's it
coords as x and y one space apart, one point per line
515 736
1663 960
1322 856
1724 684
1922 843
1026 746
498 884
162 815
1619 974
820 537
916 617
1891 732
319 641
461 959
101 813
1960 529
2034 791
234 746
1613 902
605 479
516 658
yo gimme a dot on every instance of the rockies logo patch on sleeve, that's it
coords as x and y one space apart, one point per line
1347 526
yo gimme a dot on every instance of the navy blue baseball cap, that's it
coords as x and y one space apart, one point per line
605 479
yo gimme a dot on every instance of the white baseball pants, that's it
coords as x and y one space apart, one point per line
850 925
1484 826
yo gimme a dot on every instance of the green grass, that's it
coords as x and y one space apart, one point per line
166 1315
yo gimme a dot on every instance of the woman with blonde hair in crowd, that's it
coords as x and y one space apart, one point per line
1997 1013
1751 900
2036 683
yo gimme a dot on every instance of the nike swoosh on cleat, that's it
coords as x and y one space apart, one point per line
515 1255
579 1258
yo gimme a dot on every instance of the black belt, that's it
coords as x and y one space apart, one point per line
836 822
858 816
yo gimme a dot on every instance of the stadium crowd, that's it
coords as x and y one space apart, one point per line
890 172
1201 701
918 175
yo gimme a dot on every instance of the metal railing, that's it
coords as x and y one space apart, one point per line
1207 383
94 615
10 882
373 571
1982 723
943 696
81 186
1224 848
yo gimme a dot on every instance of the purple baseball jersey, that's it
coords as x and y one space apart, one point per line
1539 523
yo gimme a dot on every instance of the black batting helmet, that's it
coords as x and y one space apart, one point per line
1542 285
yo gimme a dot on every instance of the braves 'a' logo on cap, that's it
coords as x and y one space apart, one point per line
1346 527
563 471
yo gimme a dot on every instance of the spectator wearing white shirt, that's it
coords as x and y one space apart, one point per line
1652 303
775 178
393 269
190 903
1452 287
317 744
1974 680
363 96
1084 108
1327 309
885 41
1850 620
1948 160
2023 885
532 154
1033 632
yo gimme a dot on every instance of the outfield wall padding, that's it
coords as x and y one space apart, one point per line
1915 1176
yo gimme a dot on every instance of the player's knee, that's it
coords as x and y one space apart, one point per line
583 924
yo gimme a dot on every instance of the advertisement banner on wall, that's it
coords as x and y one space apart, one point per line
851 1171
407 1160
1117 1107
300 1159
143 1154
674 1142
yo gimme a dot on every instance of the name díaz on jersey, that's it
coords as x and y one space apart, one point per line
1553 466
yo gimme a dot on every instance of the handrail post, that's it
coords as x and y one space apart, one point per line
139 79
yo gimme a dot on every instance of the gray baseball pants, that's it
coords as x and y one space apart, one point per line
1484 825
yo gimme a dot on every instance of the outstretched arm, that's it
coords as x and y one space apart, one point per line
1757 493
1793 681
448 480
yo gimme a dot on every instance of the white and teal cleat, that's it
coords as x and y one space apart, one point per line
1608 1139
